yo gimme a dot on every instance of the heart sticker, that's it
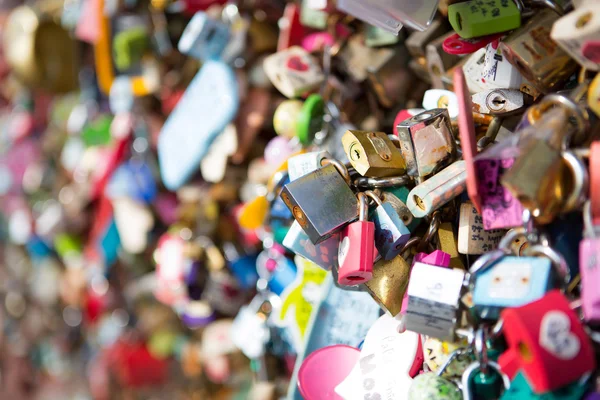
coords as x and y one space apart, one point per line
343 250
297 64
556 336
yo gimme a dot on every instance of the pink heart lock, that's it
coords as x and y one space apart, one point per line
324 369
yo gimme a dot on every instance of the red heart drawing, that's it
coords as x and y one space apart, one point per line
296 63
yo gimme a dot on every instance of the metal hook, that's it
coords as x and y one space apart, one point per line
581 182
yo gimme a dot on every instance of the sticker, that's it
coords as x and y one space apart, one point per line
385 360
556 336
299 298
343 250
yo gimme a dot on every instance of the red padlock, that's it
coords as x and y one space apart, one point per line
355 255
547 343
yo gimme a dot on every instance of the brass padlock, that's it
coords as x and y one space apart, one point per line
373 154
537 57
537 178
388 283
448 243
322 201
426 142
41 52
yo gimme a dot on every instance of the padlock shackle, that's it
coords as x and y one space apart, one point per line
557 260
364 182
373 195
363 207
570 106
341 168
581 182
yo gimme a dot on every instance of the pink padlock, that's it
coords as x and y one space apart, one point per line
589 267
456 45
317 41
355 254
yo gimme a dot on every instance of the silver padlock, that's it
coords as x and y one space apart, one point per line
434 301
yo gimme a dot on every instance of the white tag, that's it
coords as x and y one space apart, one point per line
214 163
249 333
133 220
382 371
472 237
556 336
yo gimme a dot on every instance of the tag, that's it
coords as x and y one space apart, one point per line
321 372
212 98
299 298
385 360
472 237
335 322
250 333
214 163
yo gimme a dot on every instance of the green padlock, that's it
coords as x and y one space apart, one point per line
97 132
520 390
129 46
486 386
477 18
310 119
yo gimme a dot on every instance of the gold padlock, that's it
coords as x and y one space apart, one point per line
448 243
373 154
41 53
389 283
537 57
539 178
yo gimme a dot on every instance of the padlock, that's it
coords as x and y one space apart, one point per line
539 59
448 243
310 119
439 62
589 257
476 370
355 255
390 81
397 198
324 254
454 44
475 18
431 386
302 164
373 154
574 30
547 342
322 202
359 59
438 190
426 142
388 283
203 38
472 237
520 389
510 282
293 71
439 98
390 232
500 101
538 184
417 41
434 301
286 118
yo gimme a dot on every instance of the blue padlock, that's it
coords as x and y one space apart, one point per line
390 232
243 267
209 103
511 282
133 179
204 38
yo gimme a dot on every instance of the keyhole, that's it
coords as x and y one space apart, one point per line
499 101
356 154
583 20
459 21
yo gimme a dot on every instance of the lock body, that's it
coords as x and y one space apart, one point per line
433 300
204 38
539 59
438 190
511 282
293 71
589 268
321 202
303 164
477 18
388 284
373 154
324 254
355 255
547 342
426 142
573 31
390 232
